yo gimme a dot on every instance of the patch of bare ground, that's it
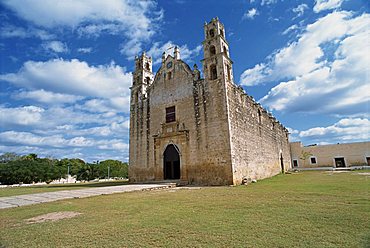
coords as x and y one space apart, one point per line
55 216
364 173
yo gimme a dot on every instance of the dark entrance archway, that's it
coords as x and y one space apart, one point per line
171 163
282 163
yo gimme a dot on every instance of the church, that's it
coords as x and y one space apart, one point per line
201 130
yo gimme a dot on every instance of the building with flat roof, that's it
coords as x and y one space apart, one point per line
337 155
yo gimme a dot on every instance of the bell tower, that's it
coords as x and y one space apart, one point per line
142 78
139 109
216 63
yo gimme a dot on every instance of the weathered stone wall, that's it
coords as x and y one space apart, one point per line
140 141
212 133
354 154
200 131
258 140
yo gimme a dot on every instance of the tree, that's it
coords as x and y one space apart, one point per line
304 156
29 170
31 156
87 172
9 156
116 168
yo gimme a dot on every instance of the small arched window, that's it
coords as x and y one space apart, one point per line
213 72
212 50
259 116
228 72
222 32
212 32
147 66
225 49
136 97
147 80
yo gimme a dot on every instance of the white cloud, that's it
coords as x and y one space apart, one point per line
268 2
293 135
75 13
59 131
136 20
28 115
157 50
84 50
291 28
113 104
55 46
250 14
11 31
131 48
74 77
116 128
47 97
344 130
299 10
114 145
189 54
88 154
256 75
58 141
46 119
323 71
96 105
321 5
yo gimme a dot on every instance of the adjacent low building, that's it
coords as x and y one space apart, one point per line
337 155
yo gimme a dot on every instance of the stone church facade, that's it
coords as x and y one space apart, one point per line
197 130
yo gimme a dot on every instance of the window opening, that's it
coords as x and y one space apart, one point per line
212 32
259 117
212 50
295 163
339 162
170 114
213 71
282 163
228 72
147 66
313 160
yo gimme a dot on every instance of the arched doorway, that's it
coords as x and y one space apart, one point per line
171 163
282 163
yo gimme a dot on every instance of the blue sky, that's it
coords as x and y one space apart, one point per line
66 67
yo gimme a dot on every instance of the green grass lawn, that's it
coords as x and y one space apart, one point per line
13 191
306 209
